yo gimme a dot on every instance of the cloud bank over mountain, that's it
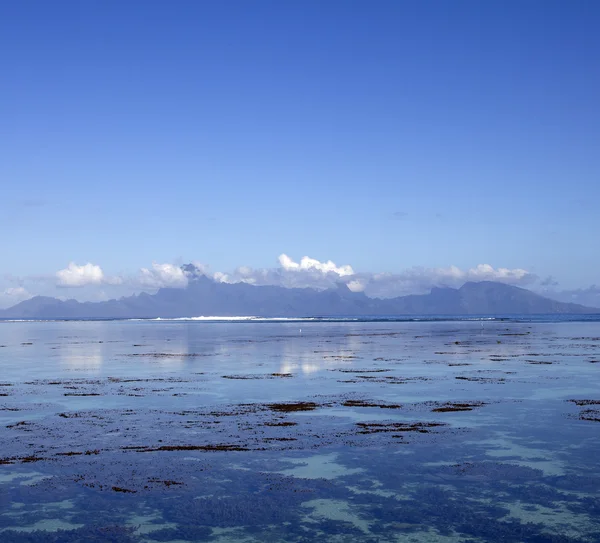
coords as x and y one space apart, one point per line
163 275
89 281
312 273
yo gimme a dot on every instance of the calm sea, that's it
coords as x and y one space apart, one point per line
306 430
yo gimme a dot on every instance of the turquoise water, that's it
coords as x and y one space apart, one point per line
449 431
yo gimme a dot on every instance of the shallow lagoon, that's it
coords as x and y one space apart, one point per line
304 431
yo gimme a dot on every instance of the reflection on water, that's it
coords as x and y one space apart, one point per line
83 357
201 431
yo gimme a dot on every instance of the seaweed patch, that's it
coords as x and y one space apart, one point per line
454 406
292 407
367 403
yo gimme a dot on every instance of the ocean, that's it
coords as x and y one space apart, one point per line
428 429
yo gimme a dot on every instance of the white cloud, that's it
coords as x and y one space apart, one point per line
308 264
485 272
308 272
321 275
221 277
80 276
356 285
163 275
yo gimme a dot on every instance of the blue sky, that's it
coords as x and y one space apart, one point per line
384 135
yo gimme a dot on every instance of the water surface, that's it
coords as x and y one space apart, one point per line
449 431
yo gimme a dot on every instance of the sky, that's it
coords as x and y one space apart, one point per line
411 140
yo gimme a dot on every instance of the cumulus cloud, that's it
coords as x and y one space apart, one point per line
309 272
313 273
308 264
356 285
306 272
221 277
157 276
163 275
81 276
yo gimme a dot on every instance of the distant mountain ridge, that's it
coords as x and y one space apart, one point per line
205 297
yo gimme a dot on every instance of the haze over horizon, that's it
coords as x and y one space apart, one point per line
400 145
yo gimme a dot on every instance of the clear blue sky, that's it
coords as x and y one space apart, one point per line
383 134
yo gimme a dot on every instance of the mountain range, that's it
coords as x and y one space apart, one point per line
206 297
